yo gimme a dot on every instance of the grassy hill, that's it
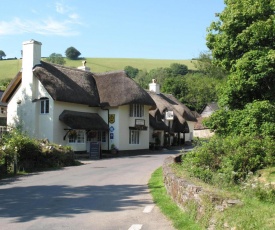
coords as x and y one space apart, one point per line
9 68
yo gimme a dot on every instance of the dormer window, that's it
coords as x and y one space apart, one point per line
136 110
44 106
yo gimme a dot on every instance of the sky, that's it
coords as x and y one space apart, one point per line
150 29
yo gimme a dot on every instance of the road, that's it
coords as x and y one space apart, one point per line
102 194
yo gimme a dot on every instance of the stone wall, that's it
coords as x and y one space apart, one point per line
186 193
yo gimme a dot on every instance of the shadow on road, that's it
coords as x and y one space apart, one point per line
29 203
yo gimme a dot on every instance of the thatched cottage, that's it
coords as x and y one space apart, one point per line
78 108
75 107
171 122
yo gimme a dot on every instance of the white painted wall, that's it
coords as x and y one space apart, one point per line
125 122
189 136
58 126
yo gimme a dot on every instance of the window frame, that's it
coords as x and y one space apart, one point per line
136 110
44 106
134 137
79 138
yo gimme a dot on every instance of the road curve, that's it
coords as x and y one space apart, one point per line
102 194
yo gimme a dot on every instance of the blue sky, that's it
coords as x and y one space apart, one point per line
157 29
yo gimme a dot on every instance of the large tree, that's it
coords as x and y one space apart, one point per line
242 42
2 54
56 58
72 53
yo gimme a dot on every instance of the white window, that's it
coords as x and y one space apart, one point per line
44 109
134 137
77 137
136 110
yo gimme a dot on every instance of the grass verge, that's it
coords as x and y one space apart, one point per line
179 218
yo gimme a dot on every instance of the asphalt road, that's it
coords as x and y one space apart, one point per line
101 195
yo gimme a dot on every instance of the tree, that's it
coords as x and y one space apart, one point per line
56 58
160 74
178 69
143 79
176 86
242 42
2 54
201 90
205 65
72 53
131 71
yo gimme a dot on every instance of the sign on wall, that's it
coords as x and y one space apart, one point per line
112 118
111 136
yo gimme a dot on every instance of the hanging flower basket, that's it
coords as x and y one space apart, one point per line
72 134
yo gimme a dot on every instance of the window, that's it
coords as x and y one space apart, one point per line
44 106
78 137
101 136
134 137
136 110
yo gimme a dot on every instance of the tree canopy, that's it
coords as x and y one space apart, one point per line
2 54
72 53
131 71
178 69
56 58
242 42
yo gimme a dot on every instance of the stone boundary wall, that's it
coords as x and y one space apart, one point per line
184 192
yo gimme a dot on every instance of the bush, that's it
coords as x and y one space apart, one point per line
230 159
31 154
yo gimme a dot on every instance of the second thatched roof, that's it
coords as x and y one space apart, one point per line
116 88
167 102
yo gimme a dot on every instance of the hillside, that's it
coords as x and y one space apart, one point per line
9 68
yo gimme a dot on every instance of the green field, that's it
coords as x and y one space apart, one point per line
9 68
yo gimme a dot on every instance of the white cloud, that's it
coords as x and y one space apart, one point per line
46 27
74 16
61 8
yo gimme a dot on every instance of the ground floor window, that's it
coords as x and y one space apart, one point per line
134 137
101 136
96 136
77 136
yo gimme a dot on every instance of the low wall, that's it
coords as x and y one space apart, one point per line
185 194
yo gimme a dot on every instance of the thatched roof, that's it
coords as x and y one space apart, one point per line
68 84
167 102
177 127
157 124
81 87
82 120
116 88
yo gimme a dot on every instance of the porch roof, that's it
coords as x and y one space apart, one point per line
82 120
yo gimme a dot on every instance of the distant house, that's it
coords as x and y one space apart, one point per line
172 122
75 107
200 130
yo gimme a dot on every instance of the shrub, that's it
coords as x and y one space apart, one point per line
31 154
230 159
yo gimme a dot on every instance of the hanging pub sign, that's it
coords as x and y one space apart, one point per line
169 115
112 118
